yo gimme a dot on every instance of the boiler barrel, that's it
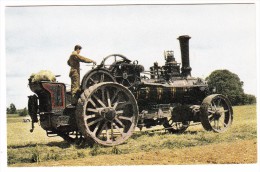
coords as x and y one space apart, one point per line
152 94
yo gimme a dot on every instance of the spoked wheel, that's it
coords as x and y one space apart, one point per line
216 113
113 59
96 76
175 127
121 69
125 77
107 113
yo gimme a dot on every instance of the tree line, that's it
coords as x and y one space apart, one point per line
229 84
12 110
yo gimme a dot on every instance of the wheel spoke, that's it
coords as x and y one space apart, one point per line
112 132
219 101
92 110
102 128
179 125
99 101
125 118
95 121
92 102
119 122
224 124
213 107
119 112
128 82
175 127
96 128
108 99
213 103
103 94
114 96
122 104
171 122
102 77
211 118
122 133
211 111
92 80
118 77
108 138
86 117
218 124
115 105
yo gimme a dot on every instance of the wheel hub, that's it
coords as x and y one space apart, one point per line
125 75
108 113
217 115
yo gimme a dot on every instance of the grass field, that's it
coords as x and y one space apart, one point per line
196 146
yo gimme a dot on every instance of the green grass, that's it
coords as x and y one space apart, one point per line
36 147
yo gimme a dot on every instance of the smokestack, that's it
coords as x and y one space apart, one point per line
184 44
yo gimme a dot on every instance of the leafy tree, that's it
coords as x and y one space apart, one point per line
11 109
229 84
23 112
249 99
8 110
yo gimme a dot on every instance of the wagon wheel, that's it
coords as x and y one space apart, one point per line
122 76
175 127
216 113
116 58
107 113
96 76
125 78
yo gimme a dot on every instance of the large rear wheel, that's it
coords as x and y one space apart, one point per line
107 113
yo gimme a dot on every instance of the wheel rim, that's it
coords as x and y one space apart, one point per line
96 77
116 57
218 113
110 114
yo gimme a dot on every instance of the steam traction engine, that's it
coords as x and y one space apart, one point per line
120 96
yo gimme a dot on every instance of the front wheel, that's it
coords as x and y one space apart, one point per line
216 113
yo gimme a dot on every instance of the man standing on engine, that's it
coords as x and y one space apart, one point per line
73 62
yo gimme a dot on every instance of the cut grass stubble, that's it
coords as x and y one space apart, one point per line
25 148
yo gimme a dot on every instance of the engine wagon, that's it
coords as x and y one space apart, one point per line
119 95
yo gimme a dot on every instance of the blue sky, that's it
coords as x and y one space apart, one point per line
42 38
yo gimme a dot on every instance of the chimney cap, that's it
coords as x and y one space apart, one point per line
184 37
